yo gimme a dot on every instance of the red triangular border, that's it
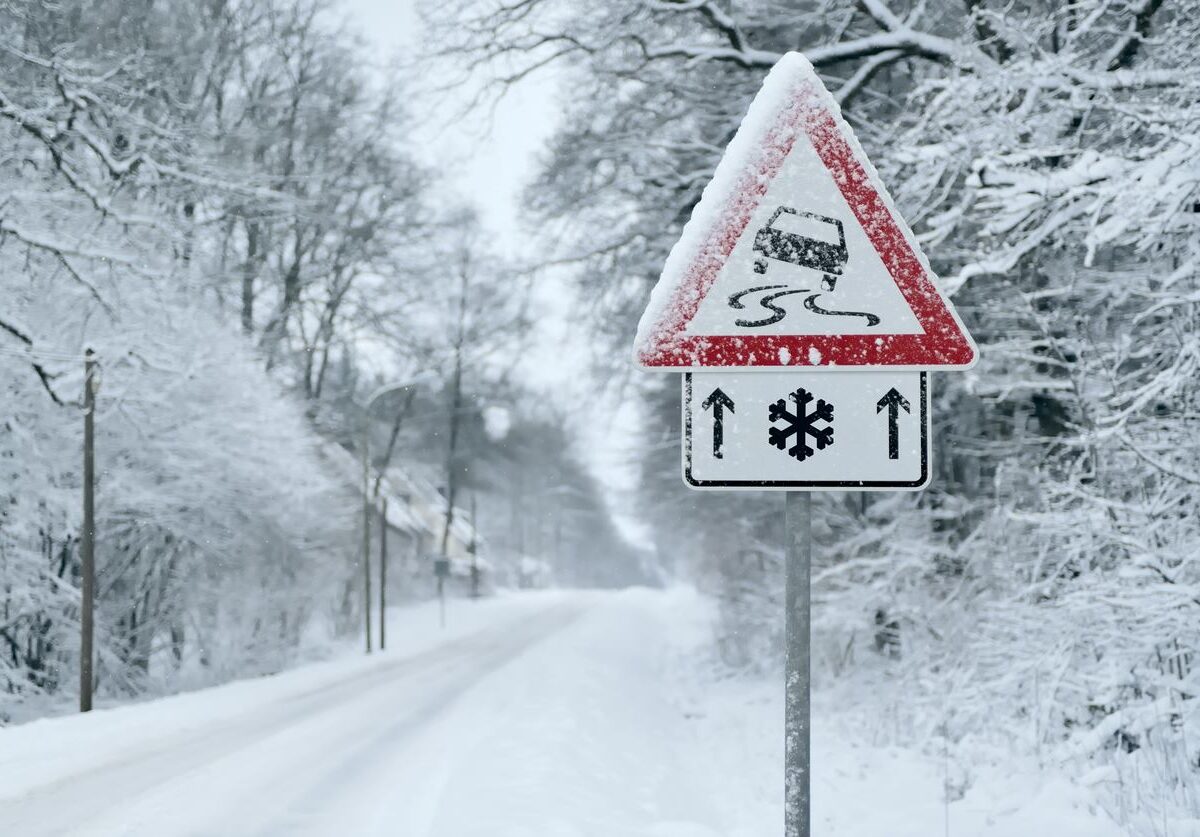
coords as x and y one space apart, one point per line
945 343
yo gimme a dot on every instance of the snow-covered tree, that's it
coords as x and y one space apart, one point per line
1045 155
221 530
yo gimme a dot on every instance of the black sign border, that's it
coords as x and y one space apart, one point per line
844 485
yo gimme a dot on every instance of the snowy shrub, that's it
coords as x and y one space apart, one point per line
221 534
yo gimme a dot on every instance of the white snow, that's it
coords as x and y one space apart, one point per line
538 715
740 156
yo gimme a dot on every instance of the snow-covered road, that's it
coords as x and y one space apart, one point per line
334 749
532 721
543 715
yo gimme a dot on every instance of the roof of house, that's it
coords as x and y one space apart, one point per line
414 504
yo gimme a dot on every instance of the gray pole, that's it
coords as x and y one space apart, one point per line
797 709
366 523
383 576
87 539
473 548
366 499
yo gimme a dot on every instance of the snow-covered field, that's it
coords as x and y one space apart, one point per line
533 715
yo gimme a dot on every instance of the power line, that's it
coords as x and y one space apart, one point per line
41 354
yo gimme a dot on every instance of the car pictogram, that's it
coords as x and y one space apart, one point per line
824 250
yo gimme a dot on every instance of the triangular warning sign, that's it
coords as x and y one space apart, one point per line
796 256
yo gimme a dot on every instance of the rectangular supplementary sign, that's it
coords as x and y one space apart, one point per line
851 431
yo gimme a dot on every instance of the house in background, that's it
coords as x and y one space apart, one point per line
416 518
419 496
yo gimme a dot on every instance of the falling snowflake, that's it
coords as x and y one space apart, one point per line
802 424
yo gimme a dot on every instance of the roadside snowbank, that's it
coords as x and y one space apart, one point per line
616 728
49 749
860 789
604 720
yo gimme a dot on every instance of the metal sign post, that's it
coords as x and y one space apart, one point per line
383 571
798 631
441 568
87 538
366 531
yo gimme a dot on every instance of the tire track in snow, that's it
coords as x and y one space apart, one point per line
325 734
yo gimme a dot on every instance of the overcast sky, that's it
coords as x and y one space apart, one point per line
486 159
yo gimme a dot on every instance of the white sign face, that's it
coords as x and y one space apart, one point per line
803 266
848 431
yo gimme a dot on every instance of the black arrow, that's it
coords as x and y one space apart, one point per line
718 401
894 401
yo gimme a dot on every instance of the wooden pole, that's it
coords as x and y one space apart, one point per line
87 540
383 570
797 707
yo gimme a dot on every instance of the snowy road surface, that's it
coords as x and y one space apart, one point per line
547 715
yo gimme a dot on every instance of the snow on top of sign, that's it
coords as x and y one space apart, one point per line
739 183
741 159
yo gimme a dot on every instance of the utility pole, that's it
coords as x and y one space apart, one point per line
87 540
474 550
366 521
797 708
452 442
365 444
383 568
556 558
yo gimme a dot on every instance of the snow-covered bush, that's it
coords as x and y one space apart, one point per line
222 536
220 531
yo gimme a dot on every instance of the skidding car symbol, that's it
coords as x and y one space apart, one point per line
823 250
771 242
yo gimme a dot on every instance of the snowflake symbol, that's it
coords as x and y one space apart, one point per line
801 423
